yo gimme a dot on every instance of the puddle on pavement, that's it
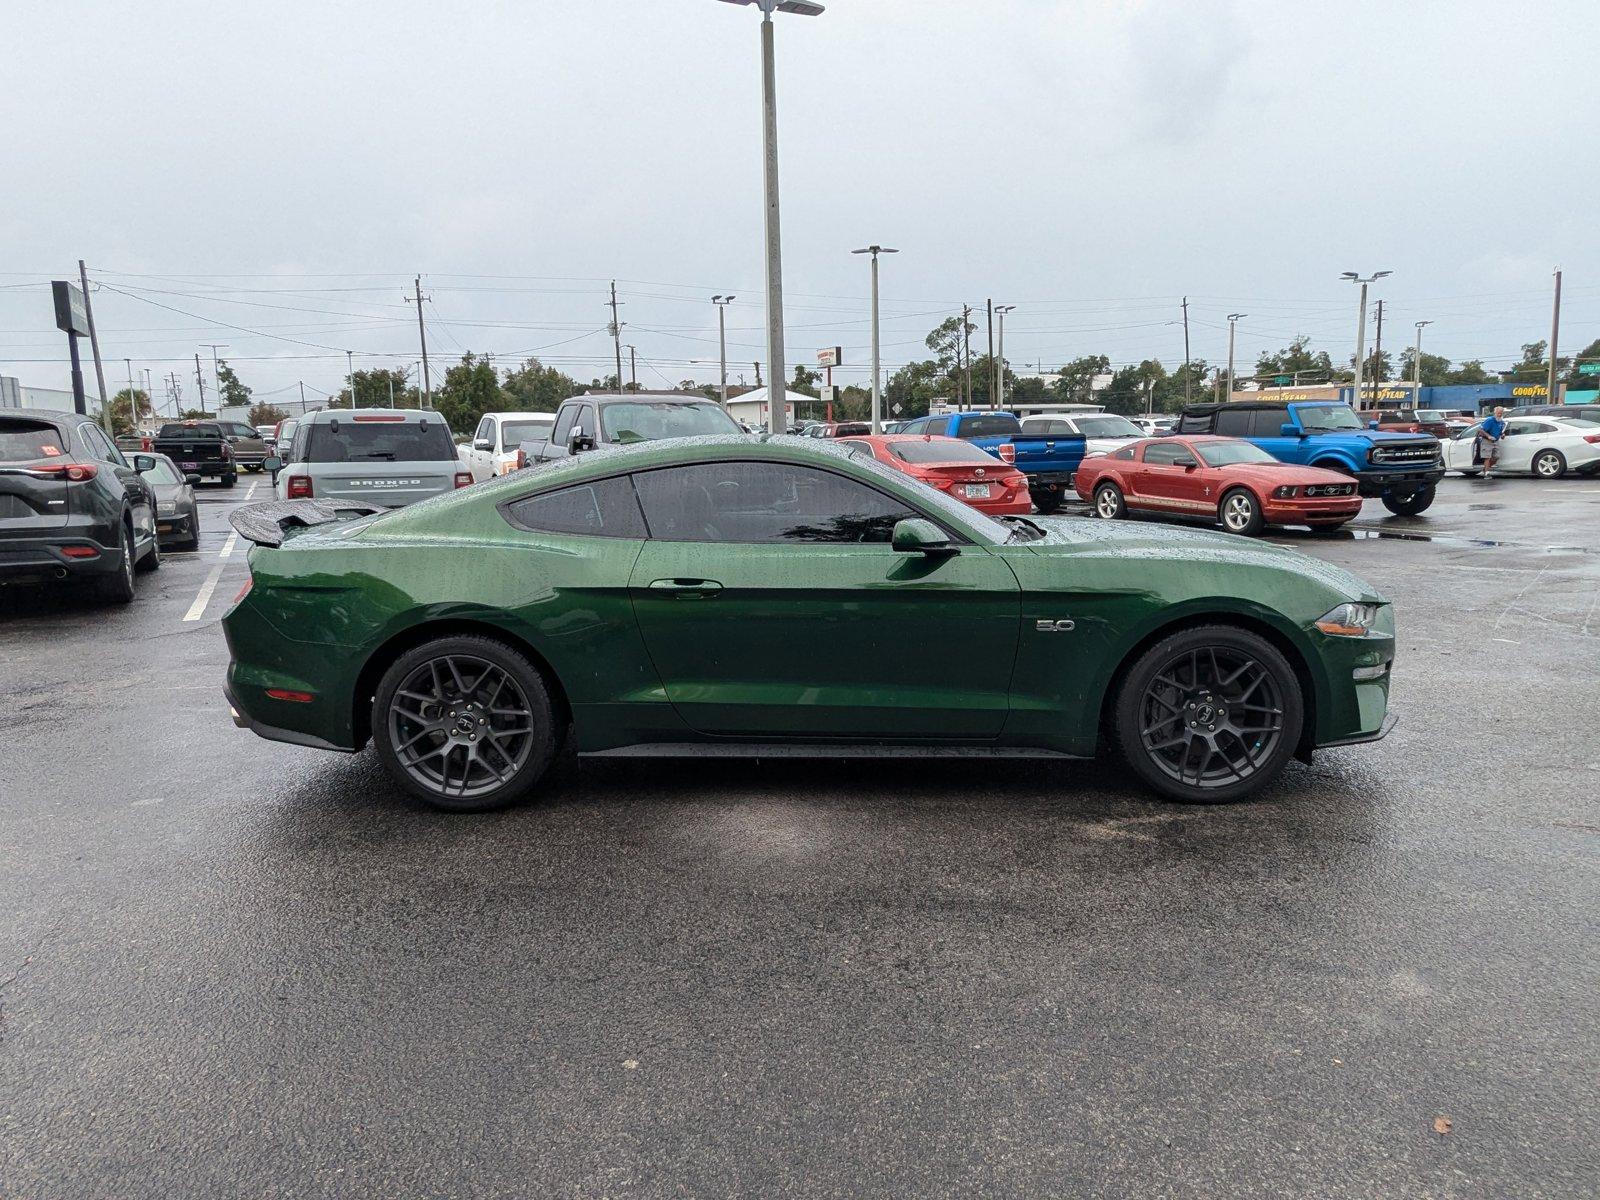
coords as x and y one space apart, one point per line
1447 539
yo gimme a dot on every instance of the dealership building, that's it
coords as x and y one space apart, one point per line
1459 397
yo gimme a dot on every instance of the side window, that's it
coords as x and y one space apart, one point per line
297 452
1521 428
101 446
605 508
1267 422
1194 423
741 502
485 430
1125 454
563 429
586 422
1164 454
1235 422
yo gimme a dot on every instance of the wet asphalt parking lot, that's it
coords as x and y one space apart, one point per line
229 967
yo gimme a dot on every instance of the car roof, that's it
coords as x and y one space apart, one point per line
54 415
326 416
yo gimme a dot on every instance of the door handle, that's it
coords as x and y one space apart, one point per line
688 589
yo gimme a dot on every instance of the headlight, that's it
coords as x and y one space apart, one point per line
1286 492
167 508
1349 620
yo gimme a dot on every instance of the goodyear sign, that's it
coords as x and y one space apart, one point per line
1529 391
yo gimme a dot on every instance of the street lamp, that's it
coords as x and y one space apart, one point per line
877 395
1361 324
1000 355
722 303
1233 320
1416 366
769 96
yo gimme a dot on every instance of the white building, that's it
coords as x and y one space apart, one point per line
15 394
751 408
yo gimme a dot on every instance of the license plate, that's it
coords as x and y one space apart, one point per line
189 466
164 527
977 491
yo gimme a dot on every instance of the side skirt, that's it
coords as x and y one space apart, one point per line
816 750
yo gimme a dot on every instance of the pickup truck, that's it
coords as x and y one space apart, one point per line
199 448
1048 460
1401 469
589 422
493 448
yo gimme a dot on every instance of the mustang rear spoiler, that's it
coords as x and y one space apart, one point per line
269 524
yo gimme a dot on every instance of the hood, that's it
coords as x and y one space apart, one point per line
1275 473
1133 541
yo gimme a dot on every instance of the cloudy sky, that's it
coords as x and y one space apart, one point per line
270 175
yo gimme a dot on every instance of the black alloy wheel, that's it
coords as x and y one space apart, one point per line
1209 715
464 724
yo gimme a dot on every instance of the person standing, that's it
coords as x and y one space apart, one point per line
1489 435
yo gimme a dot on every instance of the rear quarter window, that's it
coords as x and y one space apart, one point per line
604 508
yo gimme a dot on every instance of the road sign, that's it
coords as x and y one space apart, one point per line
1283 380
71 314
896 409
1589 368
831 357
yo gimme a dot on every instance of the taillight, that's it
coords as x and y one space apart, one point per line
522 459
80 552
1007 452
1593 438
292 697
463 479
249 583
299 487
69 472
227 450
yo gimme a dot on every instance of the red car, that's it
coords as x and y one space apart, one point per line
1218 478
954 466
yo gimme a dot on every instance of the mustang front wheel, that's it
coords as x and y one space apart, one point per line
1240 513
464 724
1209 714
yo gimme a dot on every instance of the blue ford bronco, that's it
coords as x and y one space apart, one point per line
1401 469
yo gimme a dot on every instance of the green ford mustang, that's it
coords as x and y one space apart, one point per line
778 597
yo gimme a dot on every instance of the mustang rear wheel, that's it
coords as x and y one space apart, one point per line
465 724
1108 502
1209 714
1240 512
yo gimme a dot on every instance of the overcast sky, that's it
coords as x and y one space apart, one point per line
285 167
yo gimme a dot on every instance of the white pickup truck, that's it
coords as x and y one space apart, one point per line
493 448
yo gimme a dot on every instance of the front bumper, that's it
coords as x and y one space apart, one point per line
179 527
1403 482
1320 511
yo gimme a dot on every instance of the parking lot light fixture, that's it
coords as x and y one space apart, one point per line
1361 325
1416 365
877 392
1000 311
776 368
722 303
1233 321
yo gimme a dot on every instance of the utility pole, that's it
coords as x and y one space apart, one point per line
133 401
200 382
1550 378
1233 320
1186 395
1377 358
422 333
302 397
1000 371
1416 366
633 367
350 359
994 386
1361 327
966 342
616 332
876 414
722 303
94 346
216 371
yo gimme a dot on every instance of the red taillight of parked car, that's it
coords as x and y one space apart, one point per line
463 479
69 472
299 487
1007 452
249 583
522 459
292 696
1593 438
79 552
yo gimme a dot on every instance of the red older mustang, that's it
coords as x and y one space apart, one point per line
1218 479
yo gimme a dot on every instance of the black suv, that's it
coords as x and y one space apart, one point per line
71 508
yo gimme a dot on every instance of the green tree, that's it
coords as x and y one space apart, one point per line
1294 359
121 412
1471 371
914 387
1535 366
1169 389
471 388
266 414
1435 367
234 393
1076 382
805 381
373 390
1378 367
1132 388
194 414
534 387
1589 354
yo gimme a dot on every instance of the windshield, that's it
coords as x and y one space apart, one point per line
514 433
355 440
1110 426
1226 454
939 450
1325 417
650 421
162 472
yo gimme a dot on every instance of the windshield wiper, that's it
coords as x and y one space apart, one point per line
384 455
1019 524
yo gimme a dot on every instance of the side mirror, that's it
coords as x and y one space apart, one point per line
143 463
1289 429
1187 463
483 444
918 536
191 480
578 441
272 463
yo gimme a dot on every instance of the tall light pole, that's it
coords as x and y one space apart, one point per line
350 357
1000 354
877 382
1416 366
1361 325
1233 321
216 371
1555 335
776 372
722 303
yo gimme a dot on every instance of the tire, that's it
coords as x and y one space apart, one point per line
1473 473
1549 464
443 696
1240 512
194 525
1412 505
118 588
1209 671
229 479
1045 502
1108 502
152 560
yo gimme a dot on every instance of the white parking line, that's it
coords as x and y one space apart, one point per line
227 546
198 608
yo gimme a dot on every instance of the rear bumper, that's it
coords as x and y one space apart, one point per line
1398 482
40 557
1053 481
274 733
